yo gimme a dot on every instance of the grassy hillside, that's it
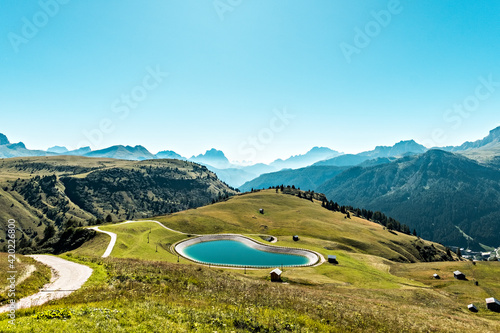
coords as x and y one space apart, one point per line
286 215
142 287
73 191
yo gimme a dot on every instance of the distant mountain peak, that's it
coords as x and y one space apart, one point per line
399 149
495 132
493 136
3 140
314 155
17 145
57 150
169 154
123 152
403 143
212 157
317 149
213 153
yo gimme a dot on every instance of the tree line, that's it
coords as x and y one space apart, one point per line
377 216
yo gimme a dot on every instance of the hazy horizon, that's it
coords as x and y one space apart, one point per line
257 80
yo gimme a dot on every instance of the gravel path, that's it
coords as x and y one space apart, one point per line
67 277
179 232
111 243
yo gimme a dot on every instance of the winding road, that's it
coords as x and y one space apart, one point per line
112 243
67 277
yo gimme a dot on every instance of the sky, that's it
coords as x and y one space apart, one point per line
259 80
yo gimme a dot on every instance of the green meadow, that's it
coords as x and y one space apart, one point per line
381 283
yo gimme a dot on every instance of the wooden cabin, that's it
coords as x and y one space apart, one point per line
332 259
276 275
459 275
472 308
493 304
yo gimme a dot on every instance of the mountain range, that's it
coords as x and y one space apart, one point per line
450 195
312 176
233 174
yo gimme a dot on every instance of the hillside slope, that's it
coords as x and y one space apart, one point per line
287 215
442 194
71 190
145 286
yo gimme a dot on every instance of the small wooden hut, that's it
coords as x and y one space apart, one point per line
276 275
493 304
472 308
332 259
459 275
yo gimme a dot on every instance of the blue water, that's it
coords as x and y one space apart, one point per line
230 252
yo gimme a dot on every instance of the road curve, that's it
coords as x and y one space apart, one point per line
177 231
67 277
111 243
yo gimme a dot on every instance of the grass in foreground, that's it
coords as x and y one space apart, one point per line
146 290
139 296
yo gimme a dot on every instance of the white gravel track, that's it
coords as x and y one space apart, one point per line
67 277
111 244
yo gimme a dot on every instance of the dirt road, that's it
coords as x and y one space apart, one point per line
111 244
67 277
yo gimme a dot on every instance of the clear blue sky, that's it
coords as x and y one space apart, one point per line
67 70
